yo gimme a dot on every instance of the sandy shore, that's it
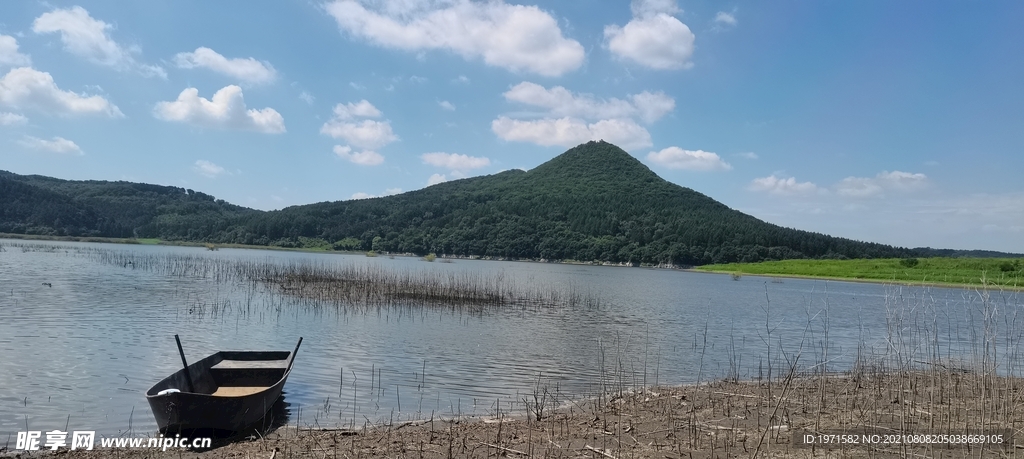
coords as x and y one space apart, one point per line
719 419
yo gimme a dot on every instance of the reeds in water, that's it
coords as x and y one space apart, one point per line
361 285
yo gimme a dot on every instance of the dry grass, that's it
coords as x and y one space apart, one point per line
720 419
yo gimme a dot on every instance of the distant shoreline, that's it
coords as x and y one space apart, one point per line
865 281
108 240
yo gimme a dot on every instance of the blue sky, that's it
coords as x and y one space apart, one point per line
895 123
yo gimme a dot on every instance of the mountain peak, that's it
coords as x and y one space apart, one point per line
595 161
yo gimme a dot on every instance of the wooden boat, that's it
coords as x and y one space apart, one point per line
227 391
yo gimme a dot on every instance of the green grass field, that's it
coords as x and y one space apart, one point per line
1005 272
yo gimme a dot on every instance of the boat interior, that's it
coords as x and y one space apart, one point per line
230 373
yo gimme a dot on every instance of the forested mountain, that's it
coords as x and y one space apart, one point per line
33 204
593 202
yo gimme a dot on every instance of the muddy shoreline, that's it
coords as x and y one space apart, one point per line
718 419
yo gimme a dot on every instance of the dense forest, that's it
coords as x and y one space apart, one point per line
594 202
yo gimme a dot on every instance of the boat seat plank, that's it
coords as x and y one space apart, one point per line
233 391
251 364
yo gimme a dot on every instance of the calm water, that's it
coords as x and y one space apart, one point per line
83 352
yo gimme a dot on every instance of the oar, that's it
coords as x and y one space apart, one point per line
188 376
292 358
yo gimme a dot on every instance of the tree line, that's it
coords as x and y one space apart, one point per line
594 202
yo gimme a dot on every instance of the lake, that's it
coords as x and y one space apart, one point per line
81 351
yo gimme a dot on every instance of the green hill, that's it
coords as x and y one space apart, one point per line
593 202
33 204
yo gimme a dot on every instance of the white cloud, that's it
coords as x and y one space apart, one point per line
645 8
461 79
866 187
858 187
902 180
436 178
226 109
694 160
9 55
446 105
783 186
307 97
11 119
361 109
748 155
652 105
387 192
27 88
653 38
248 70
725 19
569 132
362 158
208 169
573 118
561 102
87 37
56 145
515 37
364 134
455 162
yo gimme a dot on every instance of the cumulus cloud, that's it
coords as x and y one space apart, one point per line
515 37
866 187
248 70
436 178
573 118
694 160
226 110
725 19
361 109
366 134
569 132
87 37
362 158
561 102
27 88
362 134
55 145
446 105
455 162
208 169
782 186
653 38
11 119
9 55
645 8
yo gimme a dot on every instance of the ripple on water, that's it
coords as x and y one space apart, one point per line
91 345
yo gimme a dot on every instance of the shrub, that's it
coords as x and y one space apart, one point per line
909 262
